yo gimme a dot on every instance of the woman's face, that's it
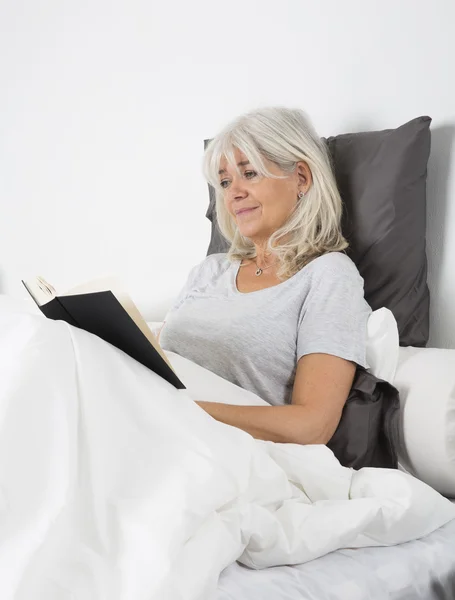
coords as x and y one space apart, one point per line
260 205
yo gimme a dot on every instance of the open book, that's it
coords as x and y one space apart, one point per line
101 307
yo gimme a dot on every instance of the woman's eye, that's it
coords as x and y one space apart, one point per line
248 174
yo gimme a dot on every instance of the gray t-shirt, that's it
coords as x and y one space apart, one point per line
255 339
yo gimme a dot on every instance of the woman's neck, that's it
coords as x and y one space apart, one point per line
264 257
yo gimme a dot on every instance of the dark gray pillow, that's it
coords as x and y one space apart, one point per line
217 242
381 176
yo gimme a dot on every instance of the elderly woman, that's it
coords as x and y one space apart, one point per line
283 313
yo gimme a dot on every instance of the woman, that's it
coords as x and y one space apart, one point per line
283 313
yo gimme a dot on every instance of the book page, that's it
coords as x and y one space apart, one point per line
111 284
41 291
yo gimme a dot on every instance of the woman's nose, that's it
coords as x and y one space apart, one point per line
237 189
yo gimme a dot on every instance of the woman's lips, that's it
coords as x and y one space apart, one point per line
245 211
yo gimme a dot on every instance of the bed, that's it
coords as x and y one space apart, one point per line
115 485
420 570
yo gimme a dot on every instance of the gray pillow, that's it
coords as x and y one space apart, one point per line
381 176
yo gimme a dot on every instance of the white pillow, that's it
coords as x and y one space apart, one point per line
382 344
425 378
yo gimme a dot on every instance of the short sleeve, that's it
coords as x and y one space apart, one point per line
334 315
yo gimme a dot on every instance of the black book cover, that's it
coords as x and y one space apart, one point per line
102 314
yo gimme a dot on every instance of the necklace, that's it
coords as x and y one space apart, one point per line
260 270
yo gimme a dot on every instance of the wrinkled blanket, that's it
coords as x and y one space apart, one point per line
116 486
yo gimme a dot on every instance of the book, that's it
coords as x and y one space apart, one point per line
104 309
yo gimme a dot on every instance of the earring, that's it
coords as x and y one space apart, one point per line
300 195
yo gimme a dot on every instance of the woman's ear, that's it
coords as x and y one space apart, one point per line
304 176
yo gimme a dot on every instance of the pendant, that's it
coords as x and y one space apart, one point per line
258 272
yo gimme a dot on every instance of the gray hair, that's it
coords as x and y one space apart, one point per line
284 136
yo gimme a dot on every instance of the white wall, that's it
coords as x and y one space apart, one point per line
104 106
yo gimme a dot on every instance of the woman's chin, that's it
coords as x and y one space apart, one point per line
249 231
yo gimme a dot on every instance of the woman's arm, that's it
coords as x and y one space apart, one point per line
321 388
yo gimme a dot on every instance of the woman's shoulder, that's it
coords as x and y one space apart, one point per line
336 263
334 275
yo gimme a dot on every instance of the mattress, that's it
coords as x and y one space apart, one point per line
420 570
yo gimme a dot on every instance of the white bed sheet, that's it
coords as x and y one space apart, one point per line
420 570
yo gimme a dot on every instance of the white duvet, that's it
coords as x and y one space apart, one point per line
114 485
